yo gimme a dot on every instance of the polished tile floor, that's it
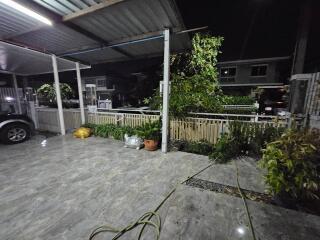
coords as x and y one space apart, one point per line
62 188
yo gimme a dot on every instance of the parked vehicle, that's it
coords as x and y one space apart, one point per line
15 128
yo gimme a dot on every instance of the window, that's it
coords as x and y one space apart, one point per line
259 70
101 82
228 74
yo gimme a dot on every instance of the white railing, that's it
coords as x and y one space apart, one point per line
204 126
243 117
122 119
48 119
238 106
190 128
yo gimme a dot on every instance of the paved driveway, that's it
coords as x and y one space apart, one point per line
61 187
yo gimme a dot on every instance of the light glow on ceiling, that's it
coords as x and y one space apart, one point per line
26 11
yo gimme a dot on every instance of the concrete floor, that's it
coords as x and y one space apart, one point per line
198 214
62 188
250 176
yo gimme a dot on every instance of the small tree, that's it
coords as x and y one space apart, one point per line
48 92
194 78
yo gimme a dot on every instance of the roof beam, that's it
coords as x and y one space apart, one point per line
92 9
175 31
95 37
131 40
58 19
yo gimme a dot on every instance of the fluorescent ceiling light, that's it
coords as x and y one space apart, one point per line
26 11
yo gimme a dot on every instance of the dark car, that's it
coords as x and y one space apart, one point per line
15 128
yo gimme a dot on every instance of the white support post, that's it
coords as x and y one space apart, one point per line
58 94
15 84
83 118
165 96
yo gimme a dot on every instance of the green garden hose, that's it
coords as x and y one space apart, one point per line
245 203
141 220
146 219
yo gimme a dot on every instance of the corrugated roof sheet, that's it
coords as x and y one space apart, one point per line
116 23
13 22
56 40
67 6
130 18
141 49
23 61
99 56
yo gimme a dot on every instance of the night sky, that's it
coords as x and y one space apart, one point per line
252 28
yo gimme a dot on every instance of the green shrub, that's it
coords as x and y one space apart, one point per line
194 79
201 147
48 91
128 130
238 100
110 130
261 136
224 150
150 129
292 164
244 138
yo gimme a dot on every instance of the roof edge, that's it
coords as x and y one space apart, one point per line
255 60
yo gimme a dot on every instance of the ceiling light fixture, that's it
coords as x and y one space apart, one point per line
26 11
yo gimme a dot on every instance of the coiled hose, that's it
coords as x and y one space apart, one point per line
146 219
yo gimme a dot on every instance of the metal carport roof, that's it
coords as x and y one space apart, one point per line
96 31
23 61
91 24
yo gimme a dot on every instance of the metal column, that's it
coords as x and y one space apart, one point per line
83 118
302 38
58 94
165 98
15 84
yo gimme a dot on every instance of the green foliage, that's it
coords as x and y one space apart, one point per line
194 79
110 130
48 91
292 164
244 138
224 149
238 100
149 130
205 50
201 147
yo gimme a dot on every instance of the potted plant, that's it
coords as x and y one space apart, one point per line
47 95
150 133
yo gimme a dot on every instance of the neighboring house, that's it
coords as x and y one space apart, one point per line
98 90
122 90
241 76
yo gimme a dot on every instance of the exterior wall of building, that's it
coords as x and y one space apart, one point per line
276 72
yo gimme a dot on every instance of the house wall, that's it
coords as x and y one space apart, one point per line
243 75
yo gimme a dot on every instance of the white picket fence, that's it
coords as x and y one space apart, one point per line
207 128
48 119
